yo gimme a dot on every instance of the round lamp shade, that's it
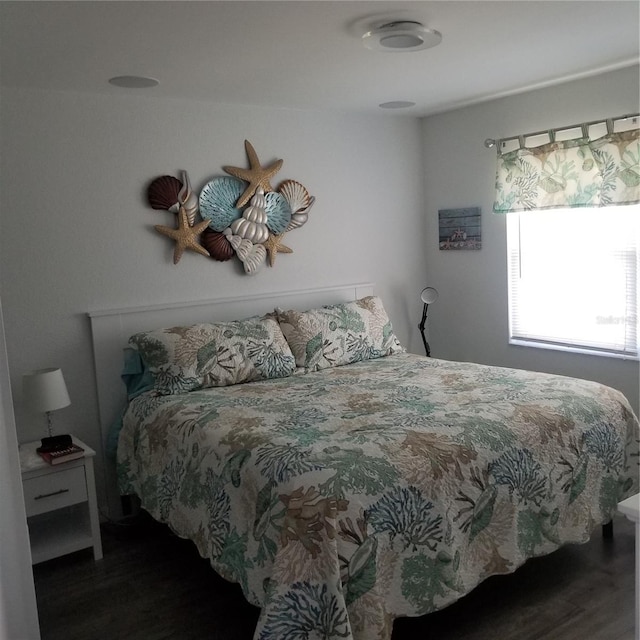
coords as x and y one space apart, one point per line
45 390
429 295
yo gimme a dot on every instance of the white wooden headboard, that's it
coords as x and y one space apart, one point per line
112 328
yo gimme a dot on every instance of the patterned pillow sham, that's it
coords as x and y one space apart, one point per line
185 359
339 334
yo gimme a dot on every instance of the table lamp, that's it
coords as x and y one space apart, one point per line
428 295
46 391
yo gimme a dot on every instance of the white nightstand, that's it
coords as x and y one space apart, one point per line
631 508
61 505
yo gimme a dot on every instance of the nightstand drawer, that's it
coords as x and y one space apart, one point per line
54 490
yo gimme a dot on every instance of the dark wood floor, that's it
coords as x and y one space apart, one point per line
154 586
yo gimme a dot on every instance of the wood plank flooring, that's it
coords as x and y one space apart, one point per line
154 586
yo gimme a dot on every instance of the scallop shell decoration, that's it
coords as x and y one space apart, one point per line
217 200
299 200
188 199
217 245
252 225
163 194
252 256
295 194
278 212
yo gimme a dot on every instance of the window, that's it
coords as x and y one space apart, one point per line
573 279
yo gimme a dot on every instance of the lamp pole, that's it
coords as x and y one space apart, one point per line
425 306
428 295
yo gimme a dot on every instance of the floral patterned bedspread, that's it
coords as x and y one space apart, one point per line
344 498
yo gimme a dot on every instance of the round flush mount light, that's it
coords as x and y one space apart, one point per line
133 82
397 104
401 36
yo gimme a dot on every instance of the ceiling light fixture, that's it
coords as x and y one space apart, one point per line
397 104
133 82
401 36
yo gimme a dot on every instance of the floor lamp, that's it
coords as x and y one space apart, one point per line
428 296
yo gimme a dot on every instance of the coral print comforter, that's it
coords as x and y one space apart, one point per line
344 498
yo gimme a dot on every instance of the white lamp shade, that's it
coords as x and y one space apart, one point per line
45 390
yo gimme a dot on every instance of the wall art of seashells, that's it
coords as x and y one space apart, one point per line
237 231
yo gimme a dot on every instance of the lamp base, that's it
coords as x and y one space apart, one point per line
55 443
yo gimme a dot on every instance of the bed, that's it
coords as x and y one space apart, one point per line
344 482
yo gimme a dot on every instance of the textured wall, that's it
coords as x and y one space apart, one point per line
470 319
76 232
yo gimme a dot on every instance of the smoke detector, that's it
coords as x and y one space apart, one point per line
397 36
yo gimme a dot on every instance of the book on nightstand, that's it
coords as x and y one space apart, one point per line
62 455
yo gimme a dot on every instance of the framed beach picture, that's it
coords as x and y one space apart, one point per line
460 228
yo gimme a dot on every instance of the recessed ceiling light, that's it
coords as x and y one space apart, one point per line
133 82
401 36
397 104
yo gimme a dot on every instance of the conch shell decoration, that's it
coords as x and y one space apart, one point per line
257 215
253 256
187 199
253 224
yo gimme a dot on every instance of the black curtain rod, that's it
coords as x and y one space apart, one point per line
491 142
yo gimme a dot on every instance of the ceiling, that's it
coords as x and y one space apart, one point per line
308 55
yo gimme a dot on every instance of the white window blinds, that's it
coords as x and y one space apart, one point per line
573 279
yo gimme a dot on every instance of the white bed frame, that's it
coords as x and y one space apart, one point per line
112 328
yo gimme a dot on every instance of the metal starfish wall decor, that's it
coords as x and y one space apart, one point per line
229 226
256 175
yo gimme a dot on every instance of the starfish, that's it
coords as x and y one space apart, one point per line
273 245
186 237
256 175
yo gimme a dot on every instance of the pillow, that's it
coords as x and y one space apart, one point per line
135 375
339 334
182 359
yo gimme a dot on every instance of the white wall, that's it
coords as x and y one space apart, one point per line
76 232
470 319
18 613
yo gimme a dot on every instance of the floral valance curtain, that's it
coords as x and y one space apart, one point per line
571 173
